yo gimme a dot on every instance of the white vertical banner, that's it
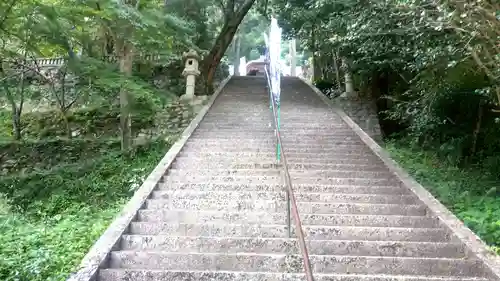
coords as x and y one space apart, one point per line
274 59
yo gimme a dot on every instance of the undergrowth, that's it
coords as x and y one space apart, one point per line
470 193
50 218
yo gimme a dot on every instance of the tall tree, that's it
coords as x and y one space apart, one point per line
234 12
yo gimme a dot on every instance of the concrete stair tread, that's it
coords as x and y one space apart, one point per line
210 244
313 232
316 197
293 263
281 205
342 141
277 186
301 180
235 154
272 160
274 180
237 148
114 274
292 166
271 167
344 173
194 164
317 219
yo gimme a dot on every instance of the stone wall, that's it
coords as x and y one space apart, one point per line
174 118
363 111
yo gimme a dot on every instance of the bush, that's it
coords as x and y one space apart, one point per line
49 249
94 182
471 194
27 156
328 88
52 217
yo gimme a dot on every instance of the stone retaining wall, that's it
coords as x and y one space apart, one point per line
363 111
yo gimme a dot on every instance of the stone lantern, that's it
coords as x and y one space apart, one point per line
190 72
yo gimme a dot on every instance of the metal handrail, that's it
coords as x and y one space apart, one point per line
290 197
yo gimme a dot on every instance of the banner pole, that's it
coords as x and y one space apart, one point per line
278 148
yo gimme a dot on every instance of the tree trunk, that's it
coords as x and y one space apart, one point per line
213 59
16 122
477 130
67 126
221 44
337 71
315 60
126 60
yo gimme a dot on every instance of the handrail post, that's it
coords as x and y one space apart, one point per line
288 214
278 145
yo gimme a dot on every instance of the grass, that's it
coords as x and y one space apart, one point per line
49 249
471 194
49 219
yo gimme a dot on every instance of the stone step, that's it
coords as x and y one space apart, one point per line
247 125
235 127
314 152
277 171
300 197
255 100
239 109
254 96
310 163
241 147
259 163
250 105
263 134
239 106
267 116
280 205
233 245
278 179
271 141
332 157
280 231
236 147
203 171
344 181
221 217
265 129
317 137
228 179
246 108
167 275
293 263
297 188
237 136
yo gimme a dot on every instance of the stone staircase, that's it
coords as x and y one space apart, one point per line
220 212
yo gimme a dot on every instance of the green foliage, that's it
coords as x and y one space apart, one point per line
49 249
91 181
50 218
430 65
29 156
64 177
469 193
